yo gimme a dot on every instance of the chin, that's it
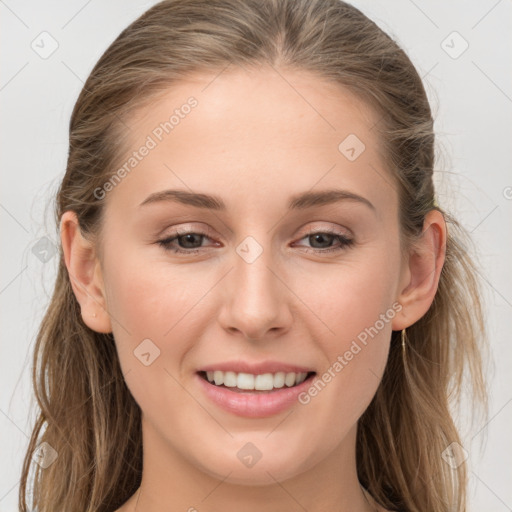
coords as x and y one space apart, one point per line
268 469
257 476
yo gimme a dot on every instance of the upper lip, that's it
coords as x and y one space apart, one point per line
255 368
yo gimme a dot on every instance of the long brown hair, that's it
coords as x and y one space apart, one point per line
87 414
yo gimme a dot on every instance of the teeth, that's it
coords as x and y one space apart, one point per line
264 382
248 381
244 381
289 380
230 379
279 379
218 377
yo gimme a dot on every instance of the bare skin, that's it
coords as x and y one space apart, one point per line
254 140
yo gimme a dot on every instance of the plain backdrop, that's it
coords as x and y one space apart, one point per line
463 49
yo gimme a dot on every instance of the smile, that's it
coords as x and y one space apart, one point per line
249 382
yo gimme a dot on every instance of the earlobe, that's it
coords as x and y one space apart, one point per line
84 273
424 265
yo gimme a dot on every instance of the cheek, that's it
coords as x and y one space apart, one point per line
152 307
147 292
356 307
351 298
147 301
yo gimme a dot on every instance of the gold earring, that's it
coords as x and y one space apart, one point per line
404 341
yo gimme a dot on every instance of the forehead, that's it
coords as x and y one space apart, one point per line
254 130
260 99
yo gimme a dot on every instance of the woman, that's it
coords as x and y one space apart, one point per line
259 304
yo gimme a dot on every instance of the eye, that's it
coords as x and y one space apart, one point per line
325 238
189 242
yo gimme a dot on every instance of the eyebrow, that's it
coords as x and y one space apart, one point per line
298 202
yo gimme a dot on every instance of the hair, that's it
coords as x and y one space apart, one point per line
87 413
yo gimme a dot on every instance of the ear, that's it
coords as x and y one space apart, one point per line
421 271
85 274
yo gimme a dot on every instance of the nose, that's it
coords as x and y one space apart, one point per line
256 299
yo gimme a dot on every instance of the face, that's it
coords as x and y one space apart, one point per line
257 285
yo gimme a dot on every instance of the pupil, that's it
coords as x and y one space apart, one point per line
321 236
189 238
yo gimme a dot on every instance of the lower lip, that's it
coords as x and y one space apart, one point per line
253 405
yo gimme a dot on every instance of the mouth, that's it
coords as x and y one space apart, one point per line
254 389
249 383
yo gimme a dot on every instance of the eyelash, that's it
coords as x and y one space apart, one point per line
345 242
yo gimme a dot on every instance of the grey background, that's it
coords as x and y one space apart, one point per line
472 99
